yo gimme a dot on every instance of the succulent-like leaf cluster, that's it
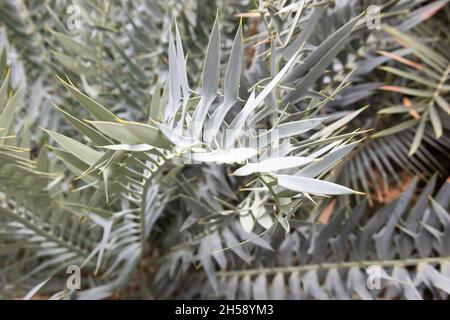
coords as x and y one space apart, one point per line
224 149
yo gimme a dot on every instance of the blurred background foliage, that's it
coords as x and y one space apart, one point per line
100 100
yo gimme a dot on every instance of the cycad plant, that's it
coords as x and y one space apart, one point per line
224 149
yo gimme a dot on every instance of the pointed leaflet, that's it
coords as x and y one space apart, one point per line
91 133
301 89
328 130
146 133
102 165
210 79
247 222
116 131
73 163
181 64
442 214
234 68
288 129
3 58
174 82
322 50
73 47
231 241
7 115
435 122
155 105
443 104
179 141
433 277
418 136
409 75
224 156
129 132
35 289
72 64
133 67
397 128
128 147
304 34
328 161
422 13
